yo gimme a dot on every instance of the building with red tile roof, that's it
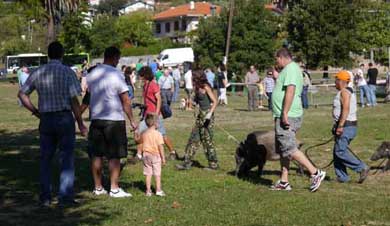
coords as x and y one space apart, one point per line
176 22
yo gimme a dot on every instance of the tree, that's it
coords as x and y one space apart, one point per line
135 28
103 34
323 32
74 33
372 28
252 38
52 11
111 7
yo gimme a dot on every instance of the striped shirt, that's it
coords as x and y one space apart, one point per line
269 84
56 85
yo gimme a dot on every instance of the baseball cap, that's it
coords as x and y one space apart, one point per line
343 75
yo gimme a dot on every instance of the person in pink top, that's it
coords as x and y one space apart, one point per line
152 153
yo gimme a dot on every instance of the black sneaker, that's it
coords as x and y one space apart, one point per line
363 175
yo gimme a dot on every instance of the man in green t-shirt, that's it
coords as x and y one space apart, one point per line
287 111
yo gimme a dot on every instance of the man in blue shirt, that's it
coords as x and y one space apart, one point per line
210 77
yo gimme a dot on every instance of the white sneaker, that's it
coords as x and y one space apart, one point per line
119 193
148 194
99 191
160 193
316 180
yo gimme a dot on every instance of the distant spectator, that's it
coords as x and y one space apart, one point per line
306 85
269 84
129 73
139 65
361 83
372 75
176 77
166 84
188 87
159 73
325 74
210 77
251 80
222 84
154 66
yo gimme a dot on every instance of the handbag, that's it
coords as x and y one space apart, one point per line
165 110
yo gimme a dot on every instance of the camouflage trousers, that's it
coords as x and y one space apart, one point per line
201 135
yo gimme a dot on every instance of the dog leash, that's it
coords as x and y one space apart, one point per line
318 145
230 136
331 162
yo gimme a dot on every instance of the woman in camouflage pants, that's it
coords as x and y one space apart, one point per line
202 133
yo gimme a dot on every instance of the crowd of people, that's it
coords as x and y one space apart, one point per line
108 93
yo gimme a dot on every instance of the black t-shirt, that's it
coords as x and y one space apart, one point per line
372 74
221 77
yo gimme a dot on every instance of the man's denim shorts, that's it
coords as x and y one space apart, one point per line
285 140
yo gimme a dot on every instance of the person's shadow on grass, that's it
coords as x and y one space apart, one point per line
19 184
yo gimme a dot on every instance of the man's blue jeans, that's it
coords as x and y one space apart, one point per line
373 93
343 158
57 129
175 96
304 98
365 90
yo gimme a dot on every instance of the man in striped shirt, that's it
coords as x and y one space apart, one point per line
58 107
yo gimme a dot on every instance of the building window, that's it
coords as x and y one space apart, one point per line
176 25
183 25
158 28
167 27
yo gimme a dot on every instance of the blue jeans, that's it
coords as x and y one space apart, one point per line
365 90
343 158
175 96
305 100
269 94
373 93
57 129
166 96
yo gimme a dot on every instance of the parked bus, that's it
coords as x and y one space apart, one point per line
76 61
30 60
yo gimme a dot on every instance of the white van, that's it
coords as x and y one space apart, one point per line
173 57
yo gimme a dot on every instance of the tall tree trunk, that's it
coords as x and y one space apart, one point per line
51 32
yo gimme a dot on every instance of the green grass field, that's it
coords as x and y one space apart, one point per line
199 197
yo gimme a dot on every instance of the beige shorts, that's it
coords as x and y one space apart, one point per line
152 164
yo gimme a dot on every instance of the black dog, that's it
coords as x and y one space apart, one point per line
258 147
382 152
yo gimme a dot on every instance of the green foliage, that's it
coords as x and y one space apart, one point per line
74 33
152 49
373 26
323 32
251 40
18 34
111 6
103 34
135 28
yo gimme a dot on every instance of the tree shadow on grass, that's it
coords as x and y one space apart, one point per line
19 184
